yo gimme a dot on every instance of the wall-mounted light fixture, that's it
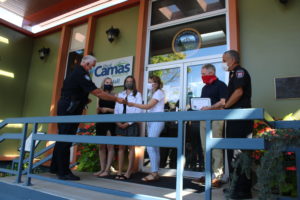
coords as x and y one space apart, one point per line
283 1
44 52
112 33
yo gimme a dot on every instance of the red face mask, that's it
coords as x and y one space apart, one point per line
209 79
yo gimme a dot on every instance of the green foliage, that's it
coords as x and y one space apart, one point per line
276 172
274 168
167 58
88 156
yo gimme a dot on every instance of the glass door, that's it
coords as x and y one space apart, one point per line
182 82
172 78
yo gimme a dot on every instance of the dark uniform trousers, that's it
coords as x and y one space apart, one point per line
239 129
61 153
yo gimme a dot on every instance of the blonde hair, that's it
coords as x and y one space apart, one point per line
103 82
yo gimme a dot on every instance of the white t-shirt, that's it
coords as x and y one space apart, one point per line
158 95
130 98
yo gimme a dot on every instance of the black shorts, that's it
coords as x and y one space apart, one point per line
102 128
131 131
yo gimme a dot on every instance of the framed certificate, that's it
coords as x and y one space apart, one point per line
197 103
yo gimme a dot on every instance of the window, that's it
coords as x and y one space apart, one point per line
169 10
189 40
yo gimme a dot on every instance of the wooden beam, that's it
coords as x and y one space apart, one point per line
106 11
234 32
90 36
141 45
55 10
59 73
139 64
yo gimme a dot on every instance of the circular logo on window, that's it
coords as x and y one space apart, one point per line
185 40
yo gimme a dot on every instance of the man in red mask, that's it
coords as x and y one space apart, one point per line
217 91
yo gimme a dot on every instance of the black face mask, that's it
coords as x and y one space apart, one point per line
108 87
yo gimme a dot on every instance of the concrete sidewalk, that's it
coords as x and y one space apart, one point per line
87 178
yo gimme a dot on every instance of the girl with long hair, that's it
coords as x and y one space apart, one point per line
154 129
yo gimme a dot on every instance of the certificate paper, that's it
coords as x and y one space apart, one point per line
197 103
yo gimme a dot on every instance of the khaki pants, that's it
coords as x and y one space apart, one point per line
217 154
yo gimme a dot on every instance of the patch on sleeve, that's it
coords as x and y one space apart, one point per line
87 77
239 73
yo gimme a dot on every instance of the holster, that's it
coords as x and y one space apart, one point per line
74 104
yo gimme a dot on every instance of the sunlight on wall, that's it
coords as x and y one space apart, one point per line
12 125
7 74
4 40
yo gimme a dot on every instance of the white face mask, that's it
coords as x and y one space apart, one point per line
149 86
225 66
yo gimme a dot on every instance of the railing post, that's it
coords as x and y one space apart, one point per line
22 153
298 170
31 156
208 150
180 162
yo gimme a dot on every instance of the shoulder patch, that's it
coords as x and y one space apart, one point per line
239 73
87 77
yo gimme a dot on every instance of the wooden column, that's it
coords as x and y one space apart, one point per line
90 36
139 65
141 44
234 32
59 73
58 79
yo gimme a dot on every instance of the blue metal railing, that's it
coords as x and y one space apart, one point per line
177 142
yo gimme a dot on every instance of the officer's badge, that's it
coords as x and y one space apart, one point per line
87 77
240 74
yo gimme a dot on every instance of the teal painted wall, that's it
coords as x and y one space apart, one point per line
126 21
270 47
15 57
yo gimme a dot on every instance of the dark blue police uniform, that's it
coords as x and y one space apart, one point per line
239 78
74 97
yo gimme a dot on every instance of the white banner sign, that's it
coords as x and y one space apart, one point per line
117 70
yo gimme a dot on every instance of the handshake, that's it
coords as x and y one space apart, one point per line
124 101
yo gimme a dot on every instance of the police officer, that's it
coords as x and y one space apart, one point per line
74 97
239 97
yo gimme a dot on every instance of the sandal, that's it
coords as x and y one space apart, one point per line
118 177
150 178
123 177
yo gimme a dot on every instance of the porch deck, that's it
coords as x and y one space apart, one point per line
67 192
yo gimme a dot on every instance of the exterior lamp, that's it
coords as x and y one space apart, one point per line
112 34
284 1
43 52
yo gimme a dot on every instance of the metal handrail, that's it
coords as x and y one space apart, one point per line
176 142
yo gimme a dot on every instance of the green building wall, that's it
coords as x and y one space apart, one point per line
30 92
41 75
15 57
125 45
270 48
